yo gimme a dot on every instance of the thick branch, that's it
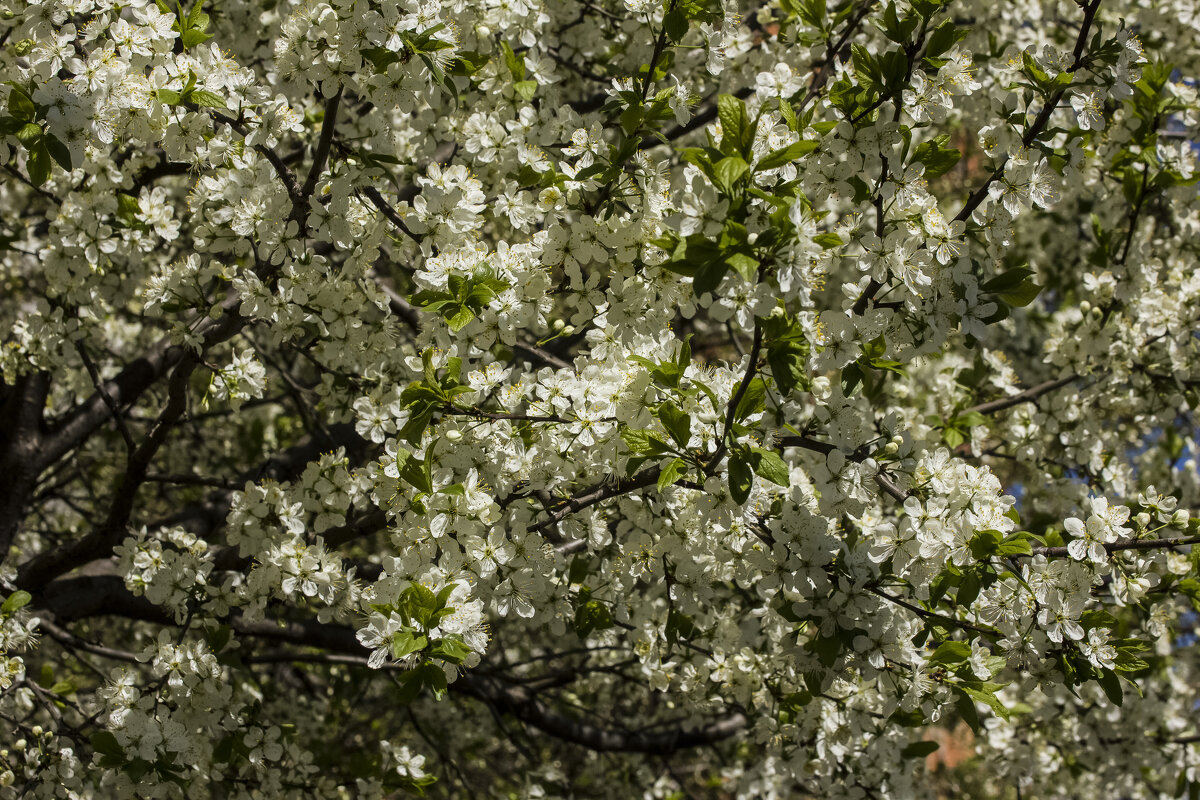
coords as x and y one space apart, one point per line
78 598
100 541
1030 395
1115 547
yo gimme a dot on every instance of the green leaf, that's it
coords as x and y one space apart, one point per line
732 114
196 18
937 157
592 616
1007 281
675 23
467 63
379 57
950 653
15 601
415 471
409 686
206 99
578 570
405 643
828 240
812 12
985 543
38 163
741 477
709 277
192 37
680 626
219 637
58 151
986 694
744 264
786 155
460 318
968 590
919 749
105 743
676 421
672 473
434 677
770 466
1016 544
450 648
516 64
727 172
789 115
20 105
526 89
128 208
944 37
644 442
966 709
29 135
1023 295
753 401
1110 682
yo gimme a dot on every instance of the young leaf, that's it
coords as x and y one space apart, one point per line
741 477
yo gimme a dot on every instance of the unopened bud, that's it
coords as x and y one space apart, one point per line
453 435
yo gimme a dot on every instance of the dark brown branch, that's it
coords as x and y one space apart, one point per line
1039 123
1116 547
927 614
99 542
545 356
1030 395
21 441
597 494
79 598
743 387
94 374
388 211
882 479
321 154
